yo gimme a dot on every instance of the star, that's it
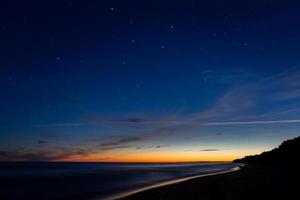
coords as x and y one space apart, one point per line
172 27
58 58
132 41
163 47
112 9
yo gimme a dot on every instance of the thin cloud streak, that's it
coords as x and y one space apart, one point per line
207 150
57 125
250 122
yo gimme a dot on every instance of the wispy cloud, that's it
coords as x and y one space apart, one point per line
287 94
203 150
256 99
228 123
131 141
113 147
57 125
227 75
41 155
132 121
210 150
42 142
161 146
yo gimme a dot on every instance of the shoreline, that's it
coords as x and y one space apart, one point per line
127 194
255 181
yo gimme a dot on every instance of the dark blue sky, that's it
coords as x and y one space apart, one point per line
103 79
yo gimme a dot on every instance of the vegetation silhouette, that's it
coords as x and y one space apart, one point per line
285 154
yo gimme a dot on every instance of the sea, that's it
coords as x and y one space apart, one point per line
68 180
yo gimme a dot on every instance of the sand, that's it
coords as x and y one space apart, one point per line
251 182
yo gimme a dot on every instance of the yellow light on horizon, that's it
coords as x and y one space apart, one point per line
165 156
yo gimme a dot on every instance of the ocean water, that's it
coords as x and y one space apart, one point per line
44 180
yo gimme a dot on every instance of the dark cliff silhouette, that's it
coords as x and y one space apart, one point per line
285 154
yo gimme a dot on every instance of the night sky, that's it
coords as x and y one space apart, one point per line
147 80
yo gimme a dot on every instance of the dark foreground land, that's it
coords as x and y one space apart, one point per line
270 175
251 182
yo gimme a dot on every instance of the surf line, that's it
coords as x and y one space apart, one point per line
170 182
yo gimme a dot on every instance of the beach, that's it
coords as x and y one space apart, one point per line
170 182
250 182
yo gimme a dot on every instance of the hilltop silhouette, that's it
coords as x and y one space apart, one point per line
286 153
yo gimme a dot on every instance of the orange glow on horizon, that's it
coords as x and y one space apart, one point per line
226 156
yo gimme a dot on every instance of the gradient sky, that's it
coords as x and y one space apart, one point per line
147 80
